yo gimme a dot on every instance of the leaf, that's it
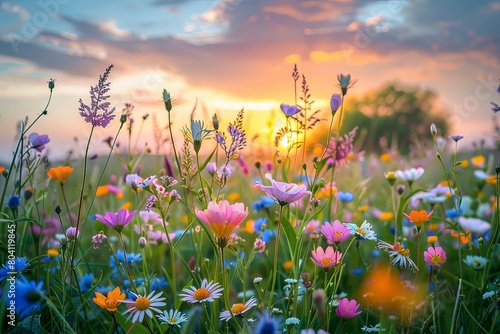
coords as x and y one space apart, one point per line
291 237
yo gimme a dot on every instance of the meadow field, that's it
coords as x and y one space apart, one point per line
316 235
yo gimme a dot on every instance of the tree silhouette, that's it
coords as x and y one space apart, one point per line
395 118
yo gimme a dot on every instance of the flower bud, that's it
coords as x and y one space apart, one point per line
390 177
335 103
142 242
51 83
400 189
167 100
57 209
72 233
432 239
211 168
433 129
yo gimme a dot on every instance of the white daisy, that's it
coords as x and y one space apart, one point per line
364 231
144 305
411 174
400 255
173 318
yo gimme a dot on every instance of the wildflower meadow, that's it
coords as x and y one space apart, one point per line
316 235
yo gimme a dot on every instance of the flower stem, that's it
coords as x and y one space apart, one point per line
275 262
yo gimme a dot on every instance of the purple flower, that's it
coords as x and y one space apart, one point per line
98 99
72 233
38 141
456 138
335 102
289 110
116 220
282 192
339 149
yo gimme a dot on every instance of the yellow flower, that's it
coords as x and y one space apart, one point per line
110 302
363 208
288 265
464 164
386 157
249 227
233 197
60 173
52 253
432 239
478 161
492 179
387 215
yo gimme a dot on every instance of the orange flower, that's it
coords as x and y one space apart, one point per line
419 217
60 173
102 191
2 169
111 302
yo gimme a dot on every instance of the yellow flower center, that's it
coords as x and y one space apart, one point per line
401 250
360 231
238 308
172 320
201 294
142 303
111 304
338 233
437 259
325 261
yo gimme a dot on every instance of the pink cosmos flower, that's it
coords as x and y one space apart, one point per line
326 258
336 232
282 192
435 256
118 220
347 309
222 218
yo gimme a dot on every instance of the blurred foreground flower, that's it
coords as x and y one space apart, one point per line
172 318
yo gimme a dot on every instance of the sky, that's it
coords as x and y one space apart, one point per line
225 55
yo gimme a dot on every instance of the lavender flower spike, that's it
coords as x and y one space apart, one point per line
98 103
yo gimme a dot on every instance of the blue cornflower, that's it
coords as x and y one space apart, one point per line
131 258
264 203
86 281
257 225
267 324
13 202
452 213
28 297
16 266
159 283
267 235
345 197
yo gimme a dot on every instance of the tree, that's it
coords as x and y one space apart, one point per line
395 118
